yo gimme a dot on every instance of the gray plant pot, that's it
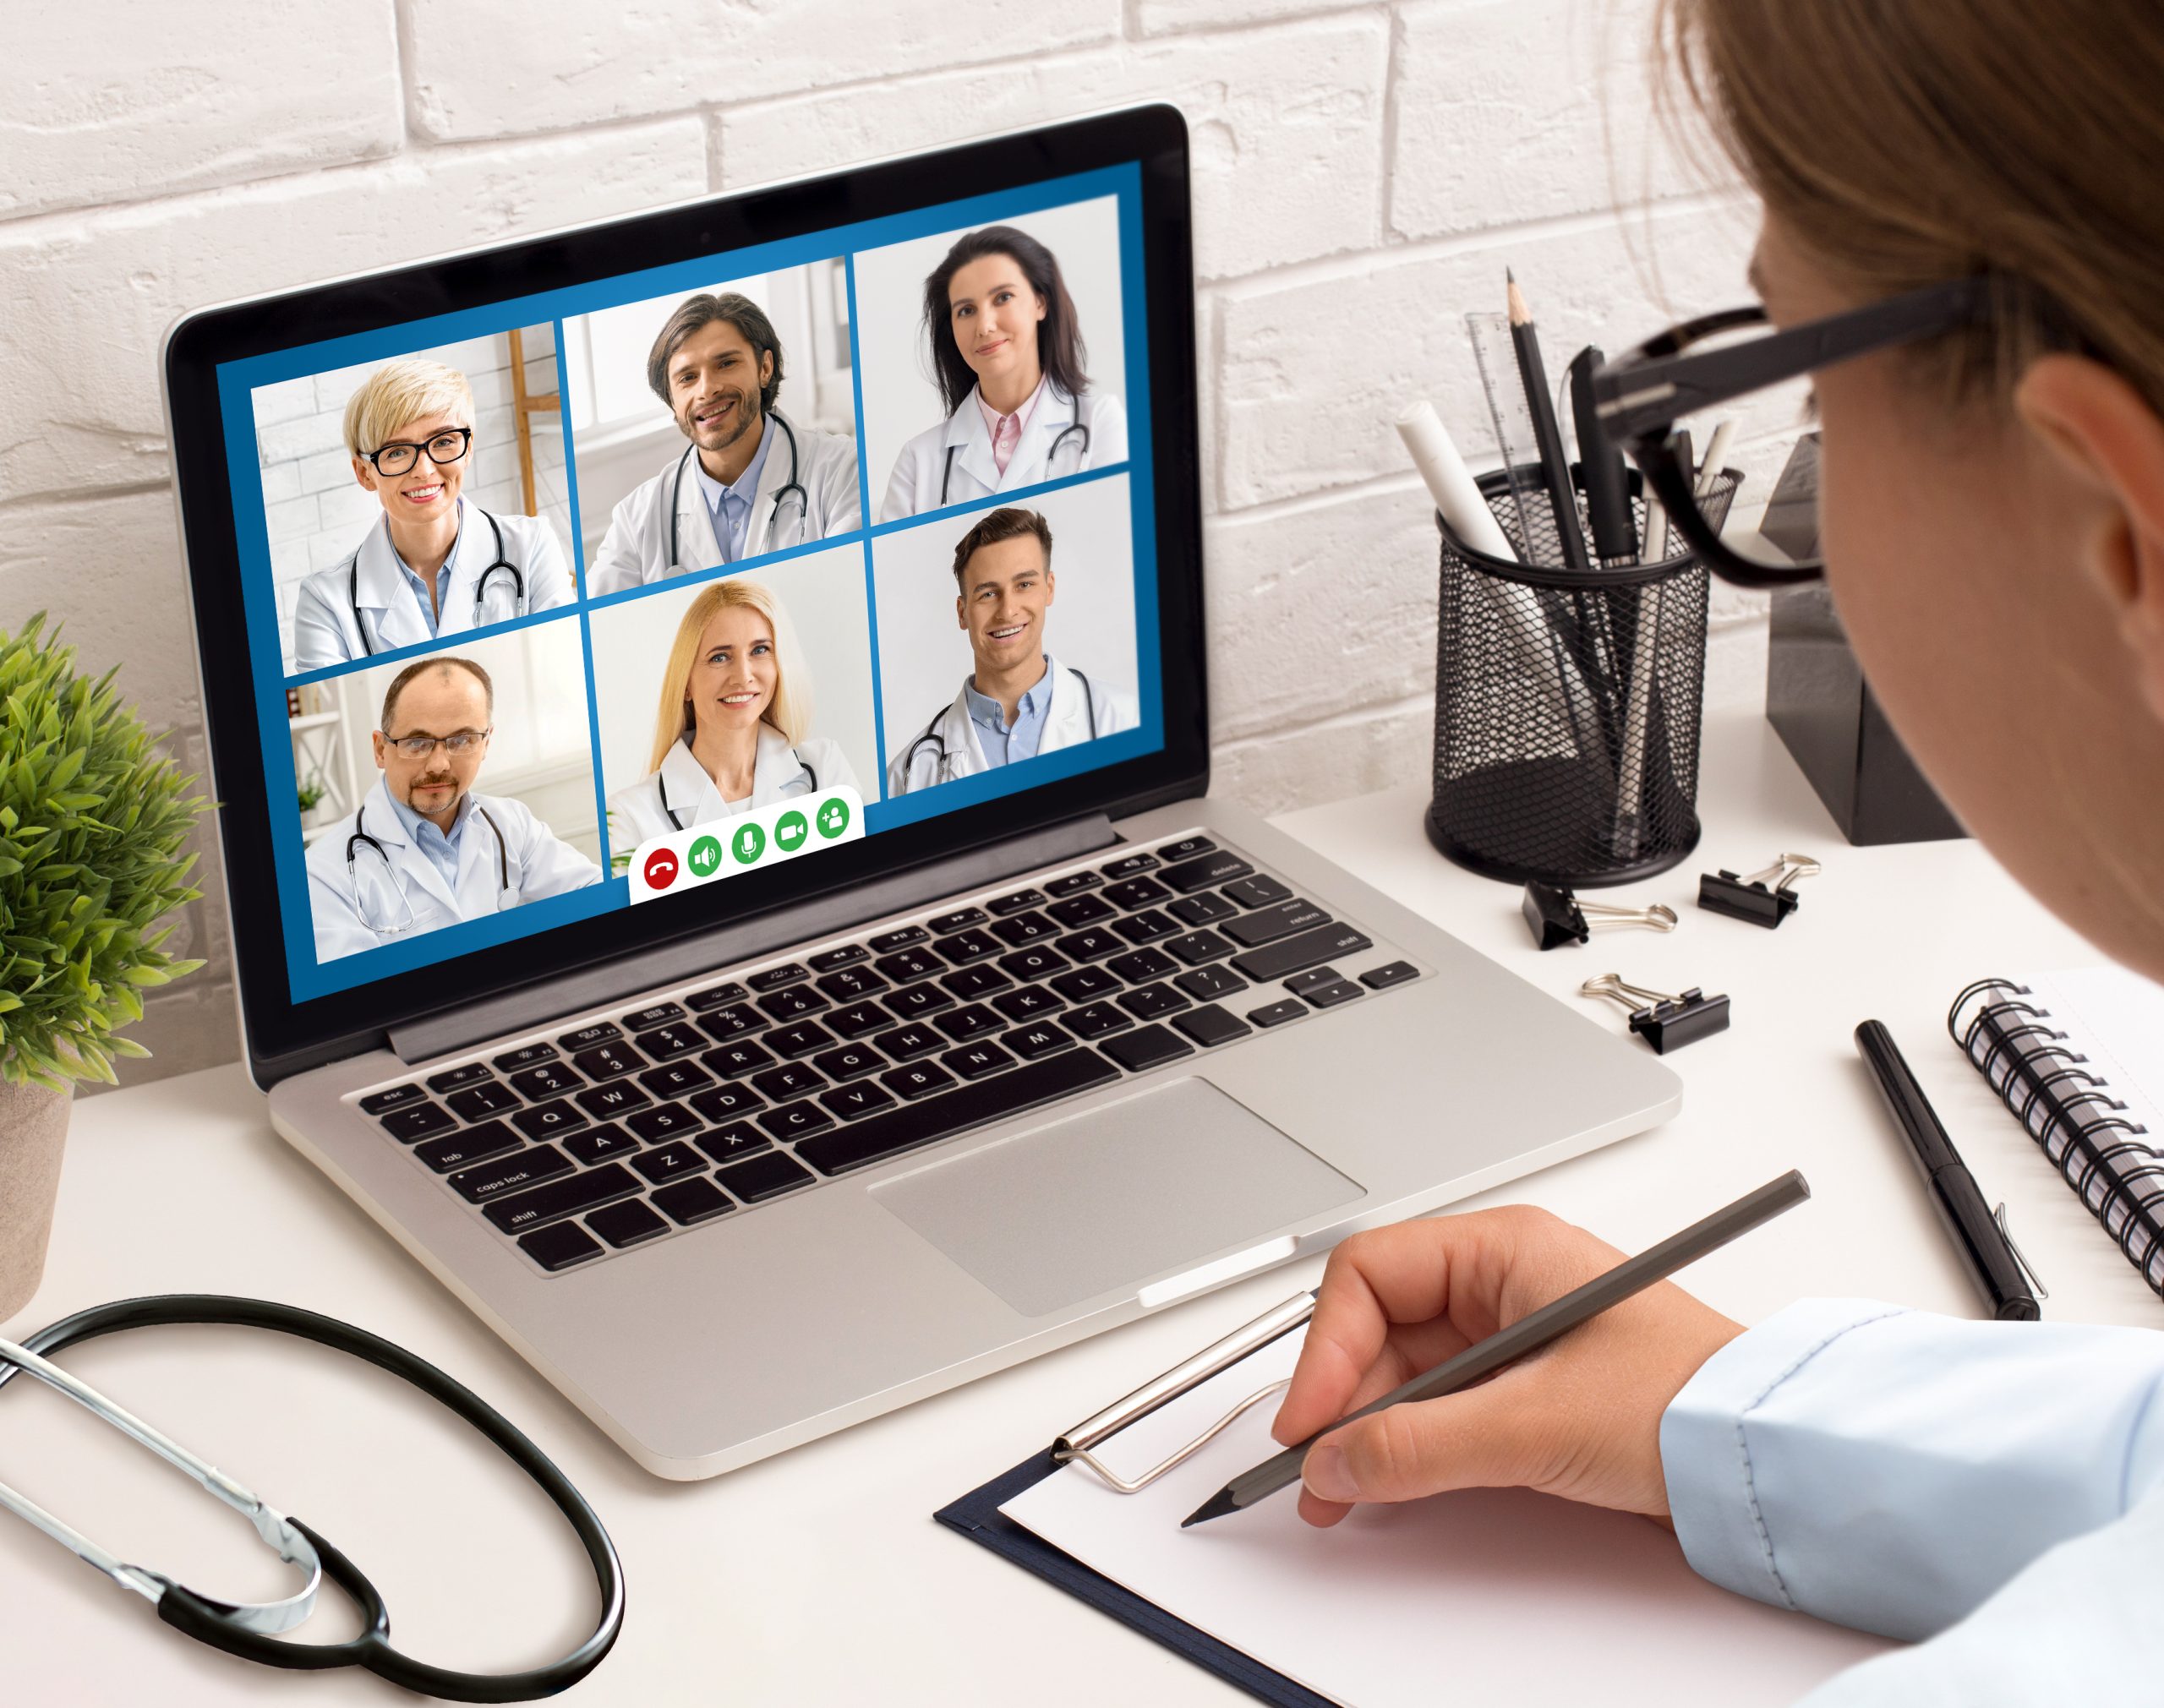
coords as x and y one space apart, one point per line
33 1130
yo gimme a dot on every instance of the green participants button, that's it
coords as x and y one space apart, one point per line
834 817
789 831
705 857
747 842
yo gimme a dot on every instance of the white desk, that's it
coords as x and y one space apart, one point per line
819 1577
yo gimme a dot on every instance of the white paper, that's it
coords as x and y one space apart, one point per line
1486 1595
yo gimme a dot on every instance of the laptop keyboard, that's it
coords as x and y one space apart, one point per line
638 1125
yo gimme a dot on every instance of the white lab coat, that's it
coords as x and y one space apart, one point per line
947 747
641 811
365 605
920 470
635 551
537 863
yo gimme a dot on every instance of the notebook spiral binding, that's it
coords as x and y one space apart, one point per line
2071 1114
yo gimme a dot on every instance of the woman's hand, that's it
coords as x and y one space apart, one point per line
1580 1418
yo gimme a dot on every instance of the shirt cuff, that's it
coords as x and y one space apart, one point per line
1706 1458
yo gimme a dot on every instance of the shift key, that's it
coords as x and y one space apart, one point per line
1292 955
563 1198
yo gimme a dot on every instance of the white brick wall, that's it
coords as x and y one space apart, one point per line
1363 171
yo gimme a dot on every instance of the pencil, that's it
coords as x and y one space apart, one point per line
1547 432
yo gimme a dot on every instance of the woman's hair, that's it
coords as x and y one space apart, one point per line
789 711
694 313
409 388
1900 144
1060 350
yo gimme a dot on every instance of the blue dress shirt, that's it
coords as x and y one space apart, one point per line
442 850
1996 1488
730 506
1003 743
432 608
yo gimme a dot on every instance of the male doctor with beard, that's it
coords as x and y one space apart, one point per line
751 481
1017 701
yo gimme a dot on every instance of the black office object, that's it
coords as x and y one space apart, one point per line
1607 480
1667 1023
1752 899
1557 917
1547 432
1983 1245
2065 1103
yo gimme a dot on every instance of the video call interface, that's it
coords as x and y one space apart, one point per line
604 596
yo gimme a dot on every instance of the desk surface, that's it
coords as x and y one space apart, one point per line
819 1577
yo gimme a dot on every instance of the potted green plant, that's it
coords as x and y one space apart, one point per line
92 821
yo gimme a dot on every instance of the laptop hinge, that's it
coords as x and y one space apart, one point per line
595 987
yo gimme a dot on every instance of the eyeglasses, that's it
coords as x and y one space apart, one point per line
400 456
1716 358
458 744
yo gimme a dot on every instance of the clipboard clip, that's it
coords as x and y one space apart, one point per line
1075 1445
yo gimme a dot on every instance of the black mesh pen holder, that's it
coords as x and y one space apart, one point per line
1567 702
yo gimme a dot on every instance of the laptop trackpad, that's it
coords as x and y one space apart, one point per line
1114 1197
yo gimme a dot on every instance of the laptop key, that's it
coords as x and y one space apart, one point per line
663 1121
799 1040
547 1119
844 955
960 919
900 938
667 1162
1027 1003
965 1024
858 1019
539 1162
793 1004
526 1056
601 1032
1140 966
608 1060
1277 1013
1152 1001
917 1079
965 946
418 1121
379 1102
1128 867
1396 973
1146 926
734 1060
773 978
550 1079
1016 902
850 1061
850 982
1136 892
905 1042
1091 944
1260 891
1208 983
1190 875
654 1014
739 1138
478 1102
1329 996
1272 923
977 1060
977 1104
907 966
1206 908
1098 1019
970 982
677 1079
1301 983
732 1022
714 996
1032 927
606 1102
1151 1047
792 1079
667 1042
1085 984
795 1120
1186 849
855 1102
1039 961
601 1144
725 1103
566 1196
765 1176
1043 1038
689 1201
452 1079
1072 885
560 1247
627 1224
469 1145
1211 1026
1296 954
1197 947
1078 911
918 1000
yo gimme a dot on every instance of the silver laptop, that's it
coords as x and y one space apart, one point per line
734 890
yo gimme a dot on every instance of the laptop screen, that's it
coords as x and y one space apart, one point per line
614 598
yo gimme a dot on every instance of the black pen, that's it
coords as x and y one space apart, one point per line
1986 1250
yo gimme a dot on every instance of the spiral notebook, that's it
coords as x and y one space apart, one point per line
2079 1057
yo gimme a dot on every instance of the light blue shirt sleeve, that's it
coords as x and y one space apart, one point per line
1901 1472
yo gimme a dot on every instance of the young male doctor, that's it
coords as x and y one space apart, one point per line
425 849
751 481
1017 701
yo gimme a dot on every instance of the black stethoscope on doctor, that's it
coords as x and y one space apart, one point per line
774 521
1081 454
661 787
363 894
497 565
944 766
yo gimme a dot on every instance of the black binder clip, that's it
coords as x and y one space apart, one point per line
1667 1023
1557 917
1749 899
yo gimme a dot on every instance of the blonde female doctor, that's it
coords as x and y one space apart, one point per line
730 733
435 563
1008 351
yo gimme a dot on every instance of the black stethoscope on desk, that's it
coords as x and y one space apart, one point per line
361 836
497 565
774 522
942 770
1081 456
248 1630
